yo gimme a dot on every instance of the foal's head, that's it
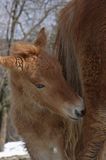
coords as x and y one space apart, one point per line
41 79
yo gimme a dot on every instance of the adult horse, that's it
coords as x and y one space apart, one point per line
81 48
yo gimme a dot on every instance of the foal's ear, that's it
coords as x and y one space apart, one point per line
41 40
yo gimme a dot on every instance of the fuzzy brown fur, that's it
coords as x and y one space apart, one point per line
81 49
42 116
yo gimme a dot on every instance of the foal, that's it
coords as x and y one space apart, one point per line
40 96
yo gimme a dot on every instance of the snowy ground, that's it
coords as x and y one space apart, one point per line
18 149
14 149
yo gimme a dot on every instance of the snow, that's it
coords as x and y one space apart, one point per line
13 149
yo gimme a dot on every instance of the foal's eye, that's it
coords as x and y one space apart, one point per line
40 86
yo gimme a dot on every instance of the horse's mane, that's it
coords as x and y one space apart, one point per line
65 48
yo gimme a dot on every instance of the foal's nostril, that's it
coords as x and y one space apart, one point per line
79 113
83 112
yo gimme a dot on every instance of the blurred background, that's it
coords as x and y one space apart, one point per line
21 20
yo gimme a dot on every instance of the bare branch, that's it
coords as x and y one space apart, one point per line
21 9
39 22
21 27
13 20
